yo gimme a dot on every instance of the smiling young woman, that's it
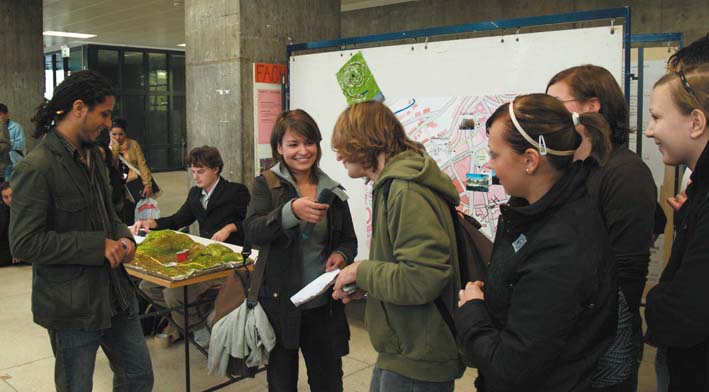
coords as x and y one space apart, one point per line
677 310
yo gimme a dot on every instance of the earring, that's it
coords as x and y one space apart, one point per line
526 170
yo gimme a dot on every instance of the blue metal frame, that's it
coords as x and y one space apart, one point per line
572 17
658 37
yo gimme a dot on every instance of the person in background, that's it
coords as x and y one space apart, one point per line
17 139
115 177
625 190
677 308
5 255
549 306
219 206
411 276
5 147
129 150
280 212
62 221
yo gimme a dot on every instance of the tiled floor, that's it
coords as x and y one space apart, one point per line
27 364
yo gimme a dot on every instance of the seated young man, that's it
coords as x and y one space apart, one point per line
219 206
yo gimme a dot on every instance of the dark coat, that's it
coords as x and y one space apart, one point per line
282 252
550 295
677 310
51 227
627 198
5 256
226 205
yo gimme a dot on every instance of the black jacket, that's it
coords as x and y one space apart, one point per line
5 256
281 250
550 295
227 204
627 198
677 310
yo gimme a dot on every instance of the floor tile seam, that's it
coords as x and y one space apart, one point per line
26 363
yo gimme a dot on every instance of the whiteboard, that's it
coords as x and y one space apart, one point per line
489 66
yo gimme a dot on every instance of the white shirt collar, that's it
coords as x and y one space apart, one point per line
208 195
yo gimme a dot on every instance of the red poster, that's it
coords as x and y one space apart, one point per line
268 106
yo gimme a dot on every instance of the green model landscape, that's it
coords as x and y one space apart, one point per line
157 254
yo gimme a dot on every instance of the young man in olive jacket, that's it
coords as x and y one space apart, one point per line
63 222
413 261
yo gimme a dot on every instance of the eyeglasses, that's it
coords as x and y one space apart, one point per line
686 85
568 100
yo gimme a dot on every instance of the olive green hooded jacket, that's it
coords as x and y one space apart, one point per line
412 261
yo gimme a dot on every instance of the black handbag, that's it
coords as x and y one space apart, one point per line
134 188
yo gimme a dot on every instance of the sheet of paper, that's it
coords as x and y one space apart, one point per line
314 288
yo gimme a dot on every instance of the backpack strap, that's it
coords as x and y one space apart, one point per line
274 184
440 305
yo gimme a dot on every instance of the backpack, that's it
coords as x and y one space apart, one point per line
474 252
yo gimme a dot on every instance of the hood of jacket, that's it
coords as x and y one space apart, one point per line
422 169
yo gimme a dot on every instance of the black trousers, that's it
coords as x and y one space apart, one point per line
322 360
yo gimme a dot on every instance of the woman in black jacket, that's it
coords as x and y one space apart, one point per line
677 310
299 239
627 198
548 309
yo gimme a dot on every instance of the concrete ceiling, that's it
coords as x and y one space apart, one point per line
142 23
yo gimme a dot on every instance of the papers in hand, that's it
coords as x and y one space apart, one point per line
314 288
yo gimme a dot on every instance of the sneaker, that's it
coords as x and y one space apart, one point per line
201 337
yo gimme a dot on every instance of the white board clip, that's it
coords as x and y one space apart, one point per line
613 26
425 46
517 35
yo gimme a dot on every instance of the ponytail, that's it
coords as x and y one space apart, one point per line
595 127
45 117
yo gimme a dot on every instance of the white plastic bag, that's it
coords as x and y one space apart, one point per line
147 209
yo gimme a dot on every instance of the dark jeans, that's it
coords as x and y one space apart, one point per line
662 370
388 381
123 344
322 361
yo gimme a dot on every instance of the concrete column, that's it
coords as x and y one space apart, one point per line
224 38
22 64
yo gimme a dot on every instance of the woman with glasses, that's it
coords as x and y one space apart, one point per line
677 310
547 310
627 196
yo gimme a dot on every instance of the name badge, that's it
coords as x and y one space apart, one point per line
519 242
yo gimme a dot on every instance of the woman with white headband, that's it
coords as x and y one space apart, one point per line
547 310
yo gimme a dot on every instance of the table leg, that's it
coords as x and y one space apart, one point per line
187 341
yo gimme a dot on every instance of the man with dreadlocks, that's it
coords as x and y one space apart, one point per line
63 222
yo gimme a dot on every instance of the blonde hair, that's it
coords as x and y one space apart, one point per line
367 129
694 96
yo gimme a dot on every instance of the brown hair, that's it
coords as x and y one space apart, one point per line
692 55
696 96
300 122
542 114
205 156
591 81
367 129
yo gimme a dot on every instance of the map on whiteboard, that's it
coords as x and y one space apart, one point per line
453 131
